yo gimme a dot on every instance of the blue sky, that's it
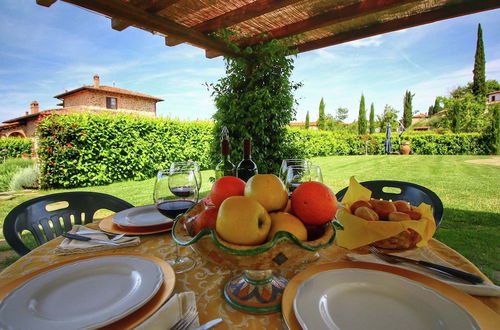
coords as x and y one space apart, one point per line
45 51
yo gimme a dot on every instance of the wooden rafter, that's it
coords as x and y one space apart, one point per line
252 10
149 21
334 16
445 12
150 7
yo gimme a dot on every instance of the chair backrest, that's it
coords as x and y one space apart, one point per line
410 192
77 207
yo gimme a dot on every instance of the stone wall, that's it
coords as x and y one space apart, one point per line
92 98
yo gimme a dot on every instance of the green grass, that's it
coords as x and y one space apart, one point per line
469 193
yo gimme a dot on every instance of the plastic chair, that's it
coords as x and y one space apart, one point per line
410 192
77 207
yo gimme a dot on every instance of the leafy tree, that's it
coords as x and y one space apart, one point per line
307 121
341 114
390 115
491 86
478 84
362 116
372 119
466 114
495 129
407 109
255 100
321 117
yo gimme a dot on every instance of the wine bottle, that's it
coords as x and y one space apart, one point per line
247 167
225 167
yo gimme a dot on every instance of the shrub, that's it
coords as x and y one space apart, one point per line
15 147
25 178
10 168
87 149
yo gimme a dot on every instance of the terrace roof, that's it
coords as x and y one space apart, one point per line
318 23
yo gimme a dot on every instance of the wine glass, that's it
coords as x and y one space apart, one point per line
315 173
295 175
176 191
188 165
291 162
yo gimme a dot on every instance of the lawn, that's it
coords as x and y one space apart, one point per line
469 191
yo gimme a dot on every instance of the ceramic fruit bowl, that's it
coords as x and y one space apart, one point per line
257 289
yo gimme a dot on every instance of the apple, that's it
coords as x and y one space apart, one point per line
206 219
242 220
282 221
268 190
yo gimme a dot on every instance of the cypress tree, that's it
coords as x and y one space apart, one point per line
478 83
362 116
408 111
307 120
372 119
430 112
437 107
321 117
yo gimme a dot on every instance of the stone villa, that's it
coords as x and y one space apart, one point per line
93 98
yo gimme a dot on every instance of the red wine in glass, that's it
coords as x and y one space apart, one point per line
172 208
182 192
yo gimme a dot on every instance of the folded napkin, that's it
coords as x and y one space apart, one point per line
72 246
359 232
172 311
424 253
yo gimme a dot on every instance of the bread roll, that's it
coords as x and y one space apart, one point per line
366 213
398 216
359 203
402 206
383 208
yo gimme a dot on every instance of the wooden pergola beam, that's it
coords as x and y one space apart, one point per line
333 16
446 12
154 7
149 21
252 10
45 3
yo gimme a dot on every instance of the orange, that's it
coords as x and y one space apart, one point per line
225 187
314 203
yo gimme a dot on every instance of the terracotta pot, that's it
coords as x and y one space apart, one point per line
405 148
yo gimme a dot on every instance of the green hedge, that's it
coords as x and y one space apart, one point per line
86 150
16 146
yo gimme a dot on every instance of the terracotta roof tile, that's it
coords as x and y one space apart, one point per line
110 89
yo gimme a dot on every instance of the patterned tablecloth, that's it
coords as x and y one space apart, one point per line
207 280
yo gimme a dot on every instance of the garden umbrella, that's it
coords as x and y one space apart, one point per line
388 148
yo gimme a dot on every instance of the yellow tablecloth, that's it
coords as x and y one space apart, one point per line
207 280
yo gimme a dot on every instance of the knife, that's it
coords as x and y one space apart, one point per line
86 239
448 270
209 324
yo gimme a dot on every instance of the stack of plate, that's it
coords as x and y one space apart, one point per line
89 293
141 220
363 297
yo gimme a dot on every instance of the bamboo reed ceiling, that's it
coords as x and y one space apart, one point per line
316 23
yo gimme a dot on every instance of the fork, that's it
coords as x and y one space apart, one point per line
186 320
112 237
440 269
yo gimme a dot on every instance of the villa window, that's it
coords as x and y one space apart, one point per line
111 103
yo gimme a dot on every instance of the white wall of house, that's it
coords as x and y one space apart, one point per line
494 97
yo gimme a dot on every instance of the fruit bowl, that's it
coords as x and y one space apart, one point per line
257 289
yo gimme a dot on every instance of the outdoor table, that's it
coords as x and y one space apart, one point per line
207 279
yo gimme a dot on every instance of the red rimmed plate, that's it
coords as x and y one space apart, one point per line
132 319
485 316
108 225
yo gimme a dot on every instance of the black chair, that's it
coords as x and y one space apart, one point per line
410 192
69 208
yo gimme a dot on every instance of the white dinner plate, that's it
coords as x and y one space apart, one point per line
83 295
367 299
141 216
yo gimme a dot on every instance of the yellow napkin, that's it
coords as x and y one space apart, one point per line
359 232
166 316
72 246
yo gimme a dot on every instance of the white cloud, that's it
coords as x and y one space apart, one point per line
374 41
